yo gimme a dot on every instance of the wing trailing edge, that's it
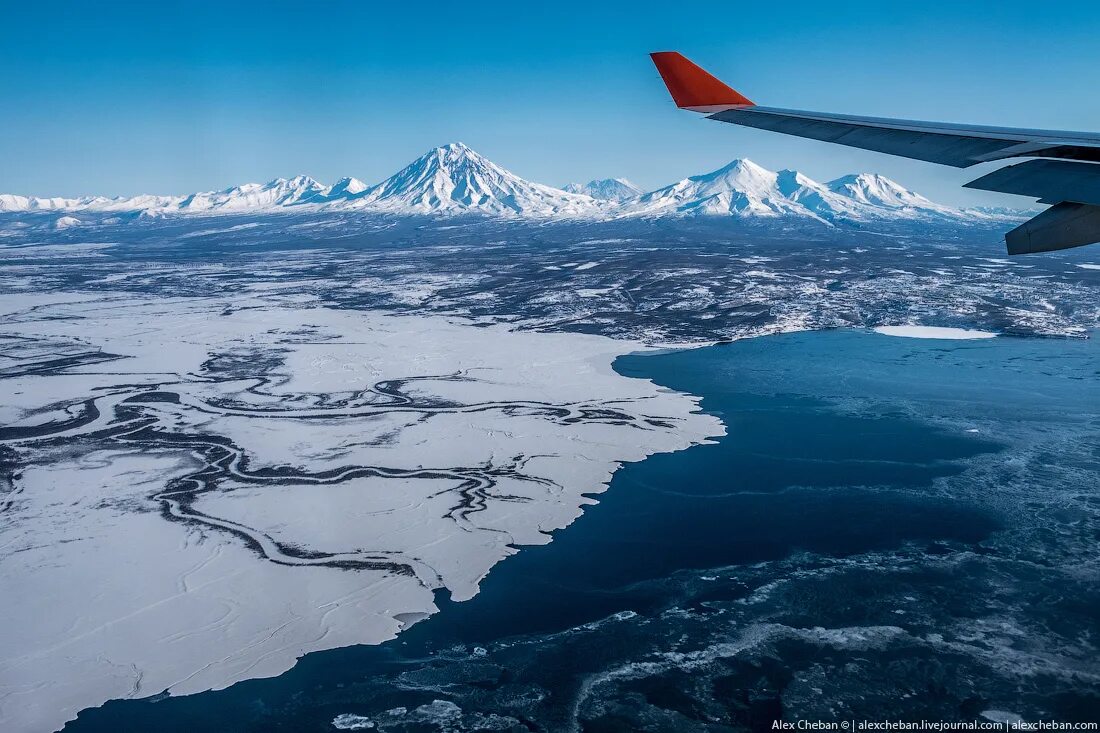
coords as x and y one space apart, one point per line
1062 226
1049 181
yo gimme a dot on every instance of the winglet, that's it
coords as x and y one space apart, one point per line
692 88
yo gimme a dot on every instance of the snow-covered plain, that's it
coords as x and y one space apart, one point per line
213 487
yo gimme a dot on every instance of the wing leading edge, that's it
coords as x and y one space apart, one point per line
1073 187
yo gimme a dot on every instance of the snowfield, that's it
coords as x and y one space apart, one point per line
213 487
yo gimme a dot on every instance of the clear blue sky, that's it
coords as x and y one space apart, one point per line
166 97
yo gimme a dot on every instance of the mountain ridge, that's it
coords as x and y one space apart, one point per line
454 179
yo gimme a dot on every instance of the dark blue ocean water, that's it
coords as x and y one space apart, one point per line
892 528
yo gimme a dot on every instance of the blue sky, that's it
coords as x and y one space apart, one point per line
119 98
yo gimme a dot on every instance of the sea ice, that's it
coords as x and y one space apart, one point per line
213 487
934 332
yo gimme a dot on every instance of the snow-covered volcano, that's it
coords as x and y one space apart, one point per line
741 188
455 179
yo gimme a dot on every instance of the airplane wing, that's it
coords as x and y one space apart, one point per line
1067 177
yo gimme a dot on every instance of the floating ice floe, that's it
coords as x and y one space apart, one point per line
934 332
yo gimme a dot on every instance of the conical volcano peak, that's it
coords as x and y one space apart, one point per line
741 173
743 166
454 178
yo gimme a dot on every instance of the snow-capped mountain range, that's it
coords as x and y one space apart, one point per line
453 179
745 189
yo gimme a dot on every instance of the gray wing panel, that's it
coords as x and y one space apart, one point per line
1059 227
955 145
946 149
1050 181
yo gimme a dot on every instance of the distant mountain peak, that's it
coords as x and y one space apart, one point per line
744 164
742 167
877 190
345 188
606 189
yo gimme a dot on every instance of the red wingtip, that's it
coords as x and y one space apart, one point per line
692 88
